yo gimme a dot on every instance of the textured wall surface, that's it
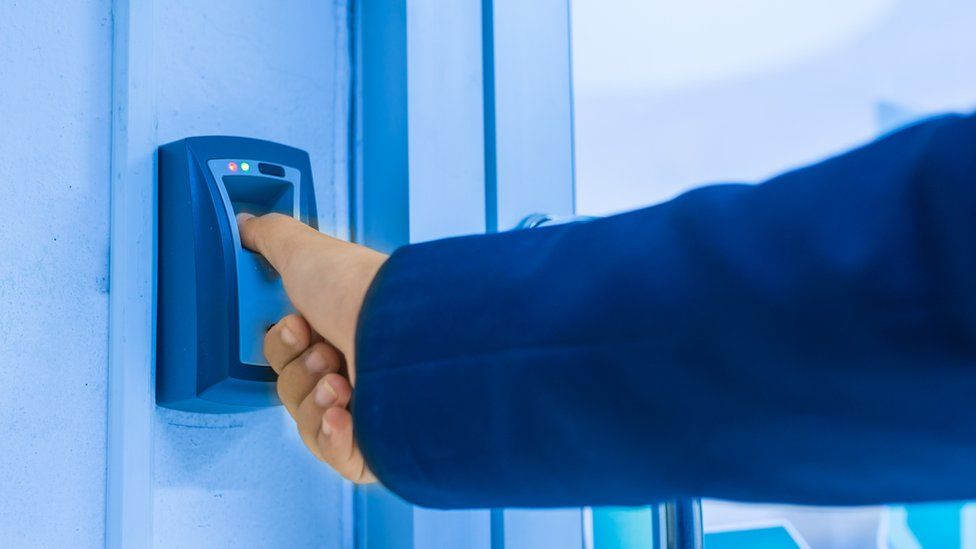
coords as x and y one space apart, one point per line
55 97
274 71
255 68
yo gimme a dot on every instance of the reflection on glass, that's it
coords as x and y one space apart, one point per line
673 94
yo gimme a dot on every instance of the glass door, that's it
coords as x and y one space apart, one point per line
669 95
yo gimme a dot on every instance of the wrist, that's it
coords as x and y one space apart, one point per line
329 281
363 268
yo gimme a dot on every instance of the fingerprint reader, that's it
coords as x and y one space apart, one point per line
217 299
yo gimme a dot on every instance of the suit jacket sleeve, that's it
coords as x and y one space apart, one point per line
811 339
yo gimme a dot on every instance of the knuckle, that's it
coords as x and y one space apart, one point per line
326 446
299 328
270 336
293 320
307 427
275 217
282 391
320 389
312 444
287 386
328 354
341 388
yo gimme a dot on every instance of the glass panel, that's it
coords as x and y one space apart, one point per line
673 94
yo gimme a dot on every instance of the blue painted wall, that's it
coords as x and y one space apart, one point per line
273 70
55 94
266 69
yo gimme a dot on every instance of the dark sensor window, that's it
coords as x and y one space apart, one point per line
271 169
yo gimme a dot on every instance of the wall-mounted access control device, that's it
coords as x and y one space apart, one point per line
216 300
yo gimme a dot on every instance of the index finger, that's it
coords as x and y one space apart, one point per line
275 236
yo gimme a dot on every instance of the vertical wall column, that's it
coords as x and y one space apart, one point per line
129 490
279 77
381 202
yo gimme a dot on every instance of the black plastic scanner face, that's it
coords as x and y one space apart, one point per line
215 300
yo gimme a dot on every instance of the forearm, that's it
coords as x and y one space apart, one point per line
795 341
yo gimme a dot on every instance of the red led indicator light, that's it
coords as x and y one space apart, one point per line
232 166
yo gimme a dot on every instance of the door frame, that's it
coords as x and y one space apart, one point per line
464 120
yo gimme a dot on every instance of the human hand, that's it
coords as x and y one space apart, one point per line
313 386
326 280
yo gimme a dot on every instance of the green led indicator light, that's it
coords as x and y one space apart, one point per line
245 167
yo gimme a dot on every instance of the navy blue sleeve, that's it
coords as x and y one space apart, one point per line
811 339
